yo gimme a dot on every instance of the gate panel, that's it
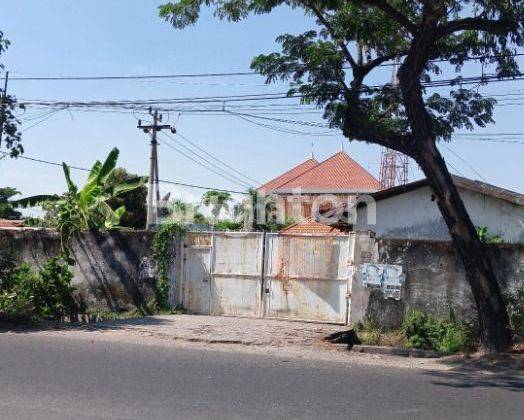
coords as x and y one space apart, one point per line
197 263
306 277
236 274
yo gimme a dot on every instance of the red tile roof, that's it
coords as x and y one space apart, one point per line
6 223
339 173
310 226
289 175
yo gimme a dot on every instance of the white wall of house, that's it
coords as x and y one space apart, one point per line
413 215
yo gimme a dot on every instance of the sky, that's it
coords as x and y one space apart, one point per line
119 37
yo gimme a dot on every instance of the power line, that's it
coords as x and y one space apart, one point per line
281 129
200 163
492 140
133 104
239 181
46 117
455 168
198 75
215 158
79 168
306 123
464 161
517 133
47 162
203 188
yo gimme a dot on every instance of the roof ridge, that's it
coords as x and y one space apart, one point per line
298 222
325 161
288 171
356 163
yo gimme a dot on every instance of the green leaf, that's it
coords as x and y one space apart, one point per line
108 166
111 217
128 185
93 175
88 195
70 184
37 200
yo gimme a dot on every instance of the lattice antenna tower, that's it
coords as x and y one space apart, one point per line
394 166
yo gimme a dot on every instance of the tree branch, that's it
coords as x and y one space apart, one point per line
333 33
393 13
357 127
370 65
499 27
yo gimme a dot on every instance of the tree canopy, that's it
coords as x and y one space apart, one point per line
89 207
330 64
7 210
133 200
218 200
11 136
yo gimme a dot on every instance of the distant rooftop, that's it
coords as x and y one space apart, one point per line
461 182
7 223
310 226
337 174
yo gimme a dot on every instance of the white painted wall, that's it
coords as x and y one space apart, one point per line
413 215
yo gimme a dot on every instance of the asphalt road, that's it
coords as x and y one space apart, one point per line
56 378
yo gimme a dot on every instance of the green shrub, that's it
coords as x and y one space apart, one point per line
486 237
55 293
16 307
515 305
18 291
426 332
419 330
27 295
228 226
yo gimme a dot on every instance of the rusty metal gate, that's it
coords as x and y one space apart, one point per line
222 273
307 277
267 275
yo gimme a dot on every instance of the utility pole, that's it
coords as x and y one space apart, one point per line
153 192
2 108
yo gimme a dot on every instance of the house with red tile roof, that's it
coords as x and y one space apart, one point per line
310 226
304 187
273 185
10 224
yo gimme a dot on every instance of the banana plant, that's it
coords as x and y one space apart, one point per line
87 208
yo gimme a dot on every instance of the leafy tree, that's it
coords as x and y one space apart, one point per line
8 121
184 212
239 211
261 213
133 200
329 66
7 210
88 208
218 200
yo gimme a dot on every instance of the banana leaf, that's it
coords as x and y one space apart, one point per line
36 200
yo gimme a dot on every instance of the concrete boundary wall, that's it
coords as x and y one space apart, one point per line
112 271
435 281
116 271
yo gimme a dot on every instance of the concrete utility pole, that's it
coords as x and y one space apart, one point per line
2 108
153 192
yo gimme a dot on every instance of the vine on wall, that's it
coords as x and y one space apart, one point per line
161 247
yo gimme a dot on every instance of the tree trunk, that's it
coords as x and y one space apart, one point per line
492 313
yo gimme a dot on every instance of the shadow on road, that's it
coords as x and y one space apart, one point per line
83 326
504 372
